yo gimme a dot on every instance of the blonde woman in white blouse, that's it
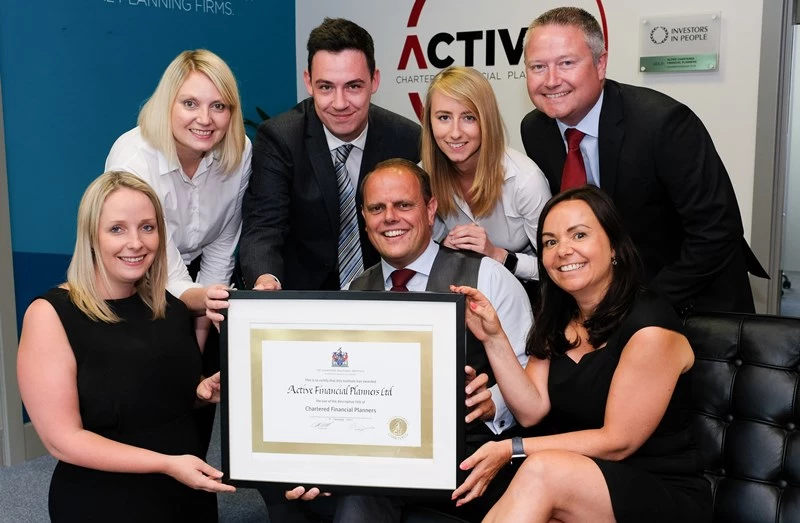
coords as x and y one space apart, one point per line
489 195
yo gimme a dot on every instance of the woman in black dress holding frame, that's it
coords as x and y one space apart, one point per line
108 366
610 367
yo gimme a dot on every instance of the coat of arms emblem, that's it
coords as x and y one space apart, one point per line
339 358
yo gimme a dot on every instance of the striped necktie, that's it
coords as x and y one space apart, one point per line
351 263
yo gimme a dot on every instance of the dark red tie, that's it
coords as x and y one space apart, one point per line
400 278
574 174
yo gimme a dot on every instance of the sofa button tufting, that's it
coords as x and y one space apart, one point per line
729 418
790 426
721 472
737 362
783 483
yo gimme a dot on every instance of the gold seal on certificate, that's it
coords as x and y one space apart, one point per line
398 427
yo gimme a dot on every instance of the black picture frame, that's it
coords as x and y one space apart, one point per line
284 325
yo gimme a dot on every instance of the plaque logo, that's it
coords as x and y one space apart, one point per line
659 34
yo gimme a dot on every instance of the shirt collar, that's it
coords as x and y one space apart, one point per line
334 142
508 173
422 264
590 124
166 166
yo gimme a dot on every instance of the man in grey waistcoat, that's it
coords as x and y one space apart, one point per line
399 210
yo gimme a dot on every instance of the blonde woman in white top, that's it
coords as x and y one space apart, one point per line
190 146
489 195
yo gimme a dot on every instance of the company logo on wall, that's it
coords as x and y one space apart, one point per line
208 7
496 52
415 39
441 47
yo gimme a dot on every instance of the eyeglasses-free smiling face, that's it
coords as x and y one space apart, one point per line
563 80
342 88
398 222
576 251
457 131
127 241
200 118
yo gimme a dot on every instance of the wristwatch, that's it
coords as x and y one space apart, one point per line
510 262
517 448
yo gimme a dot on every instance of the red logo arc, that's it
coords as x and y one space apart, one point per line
413 19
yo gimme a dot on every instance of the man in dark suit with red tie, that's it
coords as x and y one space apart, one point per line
651 153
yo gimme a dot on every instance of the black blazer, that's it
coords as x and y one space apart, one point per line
659 165
290 212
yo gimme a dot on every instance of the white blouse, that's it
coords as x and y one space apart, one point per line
203 213
513 223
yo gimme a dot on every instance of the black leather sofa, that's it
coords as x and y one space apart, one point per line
746 387
747 414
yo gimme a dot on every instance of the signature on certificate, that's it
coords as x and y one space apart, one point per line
360 427
322 425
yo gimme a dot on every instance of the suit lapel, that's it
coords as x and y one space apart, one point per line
556 155
373 151
321 163
610 138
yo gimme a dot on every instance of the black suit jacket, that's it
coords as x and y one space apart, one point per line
290 211
659 165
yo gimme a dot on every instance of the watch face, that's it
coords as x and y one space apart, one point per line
511 262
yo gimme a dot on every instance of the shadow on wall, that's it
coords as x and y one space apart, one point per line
34 274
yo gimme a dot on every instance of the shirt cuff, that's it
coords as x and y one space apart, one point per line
527 267
179 287
503 419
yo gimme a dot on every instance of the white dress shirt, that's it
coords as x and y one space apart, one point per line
590 146
203 213
506 295
513 223
353 162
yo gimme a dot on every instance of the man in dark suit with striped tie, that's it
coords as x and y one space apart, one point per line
301 228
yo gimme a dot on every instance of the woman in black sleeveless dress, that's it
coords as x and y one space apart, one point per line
108 366
610 368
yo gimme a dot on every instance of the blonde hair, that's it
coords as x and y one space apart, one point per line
469 88
87 264
155 118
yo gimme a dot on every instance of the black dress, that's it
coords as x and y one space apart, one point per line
662 481
136 385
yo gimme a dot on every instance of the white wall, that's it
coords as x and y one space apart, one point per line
726 99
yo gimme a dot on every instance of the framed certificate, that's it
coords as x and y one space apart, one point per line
344 390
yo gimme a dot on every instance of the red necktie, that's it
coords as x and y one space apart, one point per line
400 278
574 174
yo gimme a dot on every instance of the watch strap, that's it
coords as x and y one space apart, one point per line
511 261
517 448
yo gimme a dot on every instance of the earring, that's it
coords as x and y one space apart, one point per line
614 261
